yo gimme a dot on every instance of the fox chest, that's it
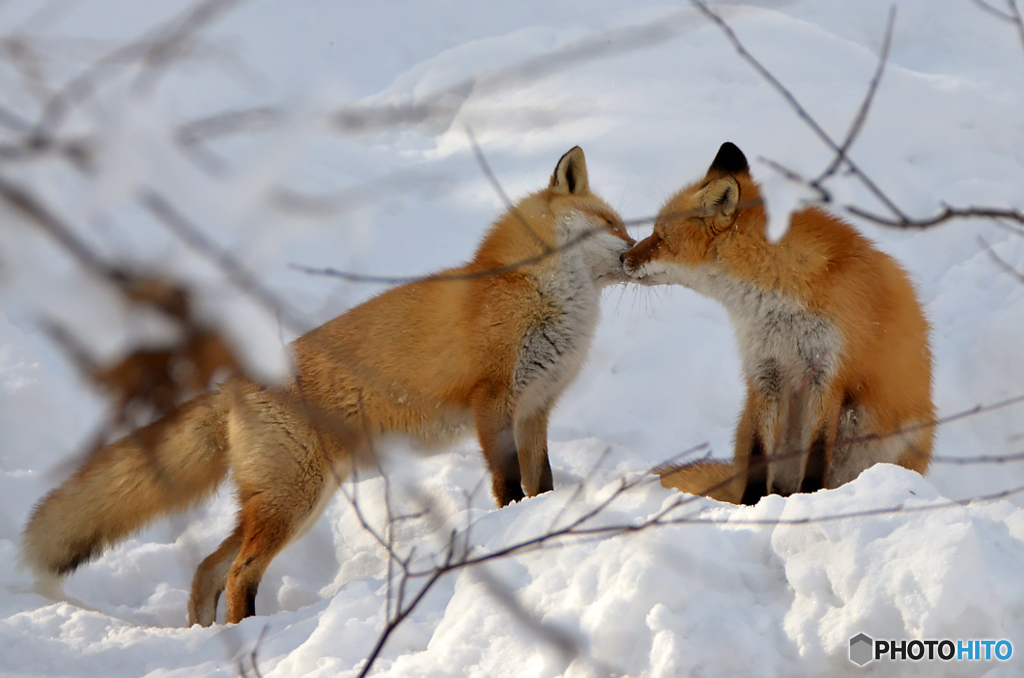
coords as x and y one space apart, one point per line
555 347
783 346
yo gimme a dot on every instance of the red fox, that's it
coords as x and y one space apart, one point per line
491 344
833 340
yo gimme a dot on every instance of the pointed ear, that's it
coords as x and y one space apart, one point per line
718 201
730 160
570 176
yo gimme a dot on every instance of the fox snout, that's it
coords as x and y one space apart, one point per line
641 253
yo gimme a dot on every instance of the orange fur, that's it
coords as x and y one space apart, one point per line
714 479
833 339
425 360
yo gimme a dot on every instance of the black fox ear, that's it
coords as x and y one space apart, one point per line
570 176
730 159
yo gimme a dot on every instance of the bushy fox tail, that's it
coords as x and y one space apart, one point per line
172 464
716 479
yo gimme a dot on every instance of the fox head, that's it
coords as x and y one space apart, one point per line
701 223
562 225
584 222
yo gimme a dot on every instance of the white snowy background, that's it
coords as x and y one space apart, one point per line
649 91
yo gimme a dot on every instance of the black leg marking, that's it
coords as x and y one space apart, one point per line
81 551
757 474
508 455
513 491
508 483
814 475
250 602
546 483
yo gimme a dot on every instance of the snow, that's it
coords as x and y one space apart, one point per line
650 92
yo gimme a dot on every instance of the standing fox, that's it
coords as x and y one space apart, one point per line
833 340
493 344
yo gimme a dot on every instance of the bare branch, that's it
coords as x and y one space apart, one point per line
564 643
980 459
14 122
1000 262
900 218
792 101
443 105
1012 15
580 486
496 185
399 618
1010 228
26 204
865 106
947 214
21 54
178 224
941 421
192 136
253 661
153 51
171 40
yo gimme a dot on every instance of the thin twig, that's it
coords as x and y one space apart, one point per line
33 209
235 271
900 219
463 274
795 104
452 276
578 490
444 104
865 106
981 459
399 618
496 185
255 650
149 50
1013 15
1000 262
947 214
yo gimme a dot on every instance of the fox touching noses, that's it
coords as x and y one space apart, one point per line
833 341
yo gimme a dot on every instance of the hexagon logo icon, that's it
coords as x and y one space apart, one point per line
861 649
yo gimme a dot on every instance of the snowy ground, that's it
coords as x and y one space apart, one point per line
649 92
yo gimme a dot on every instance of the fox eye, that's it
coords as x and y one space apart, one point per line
614 225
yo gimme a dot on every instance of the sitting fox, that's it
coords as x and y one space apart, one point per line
832 337
492 344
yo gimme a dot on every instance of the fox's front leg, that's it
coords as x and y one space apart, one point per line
782 430
532 445
804 424
749 457
496 432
